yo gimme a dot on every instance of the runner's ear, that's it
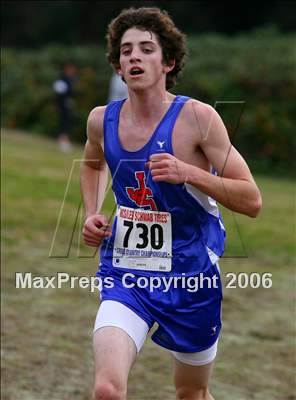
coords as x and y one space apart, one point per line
168 67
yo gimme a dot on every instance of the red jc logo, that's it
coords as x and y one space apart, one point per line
142 195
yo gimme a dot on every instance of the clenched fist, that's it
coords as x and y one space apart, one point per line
96 228
165 167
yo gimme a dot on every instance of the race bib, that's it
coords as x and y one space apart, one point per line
143 240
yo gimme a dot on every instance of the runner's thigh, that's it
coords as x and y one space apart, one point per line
114 353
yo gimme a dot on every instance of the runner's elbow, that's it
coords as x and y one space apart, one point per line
255 206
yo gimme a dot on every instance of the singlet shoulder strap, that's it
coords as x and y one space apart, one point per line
111 117
165 132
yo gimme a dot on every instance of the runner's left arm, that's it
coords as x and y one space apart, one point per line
234 186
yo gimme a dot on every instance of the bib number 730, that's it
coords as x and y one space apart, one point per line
155 234
143 240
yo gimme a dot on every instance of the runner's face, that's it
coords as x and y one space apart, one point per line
141 60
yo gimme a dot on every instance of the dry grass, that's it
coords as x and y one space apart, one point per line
46 334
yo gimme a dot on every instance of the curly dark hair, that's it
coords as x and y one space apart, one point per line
172 41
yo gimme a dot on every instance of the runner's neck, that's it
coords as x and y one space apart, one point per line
147 108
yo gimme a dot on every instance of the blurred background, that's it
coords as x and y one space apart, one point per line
242 60
236 53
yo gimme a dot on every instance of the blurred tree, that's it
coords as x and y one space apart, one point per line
38 23
225 71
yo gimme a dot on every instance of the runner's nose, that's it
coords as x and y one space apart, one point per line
135 55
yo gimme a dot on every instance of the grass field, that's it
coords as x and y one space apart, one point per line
47 333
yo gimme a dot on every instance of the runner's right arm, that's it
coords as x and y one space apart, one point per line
93 180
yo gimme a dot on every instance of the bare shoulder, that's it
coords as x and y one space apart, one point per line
93 152
205 121
199 113
95 124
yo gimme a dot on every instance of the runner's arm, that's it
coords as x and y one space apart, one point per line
93 180
94 172
234 187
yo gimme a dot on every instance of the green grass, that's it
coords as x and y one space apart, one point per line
47 334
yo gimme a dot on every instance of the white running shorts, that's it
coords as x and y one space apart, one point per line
113 313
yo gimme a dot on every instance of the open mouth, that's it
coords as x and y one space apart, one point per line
136 71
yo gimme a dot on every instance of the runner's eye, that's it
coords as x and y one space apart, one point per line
125 52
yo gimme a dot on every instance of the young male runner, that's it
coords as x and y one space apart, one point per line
160 149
